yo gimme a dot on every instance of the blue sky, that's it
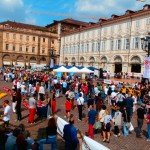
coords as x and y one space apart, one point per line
20 10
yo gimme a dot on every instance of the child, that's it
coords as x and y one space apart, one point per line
68 106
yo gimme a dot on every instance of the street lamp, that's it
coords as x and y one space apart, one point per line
145 42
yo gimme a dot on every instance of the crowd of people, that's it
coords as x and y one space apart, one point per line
108 106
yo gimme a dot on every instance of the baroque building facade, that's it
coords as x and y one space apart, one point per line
25 45
113 44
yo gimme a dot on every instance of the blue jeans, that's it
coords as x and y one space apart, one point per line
130 109
49 88
51 140
148 129
125 129
85 97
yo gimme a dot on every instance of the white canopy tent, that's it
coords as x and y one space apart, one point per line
86 70
74 70
61 69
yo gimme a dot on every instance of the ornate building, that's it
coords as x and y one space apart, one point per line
113 44
24 44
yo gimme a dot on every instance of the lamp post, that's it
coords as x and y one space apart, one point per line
145 42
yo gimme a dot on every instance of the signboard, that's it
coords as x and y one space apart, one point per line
59 75
147 67
71 73
83 76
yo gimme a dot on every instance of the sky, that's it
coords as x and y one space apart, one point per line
43 12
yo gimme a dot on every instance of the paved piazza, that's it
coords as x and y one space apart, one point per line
37 130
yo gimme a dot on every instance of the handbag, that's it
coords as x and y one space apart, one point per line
98 125
131 127
128 124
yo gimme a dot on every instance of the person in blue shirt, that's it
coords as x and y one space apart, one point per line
70 135
64 87
91 121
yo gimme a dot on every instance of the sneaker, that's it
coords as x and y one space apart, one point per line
79 120
115 135
104 140
148 140
65 116
118 134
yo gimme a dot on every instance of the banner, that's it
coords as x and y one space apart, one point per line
147 67
59 74
71 73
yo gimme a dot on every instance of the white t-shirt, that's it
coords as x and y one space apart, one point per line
7 110
31 102
113 94
18 85
106 90
23 88
41 90
113 87
80 101
102 115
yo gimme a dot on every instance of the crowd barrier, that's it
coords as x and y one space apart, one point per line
129 75
87 144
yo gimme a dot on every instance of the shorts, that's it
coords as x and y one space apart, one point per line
67 111
108 126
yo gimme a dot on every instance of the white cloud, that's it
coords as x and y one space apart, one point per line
105 8
15 10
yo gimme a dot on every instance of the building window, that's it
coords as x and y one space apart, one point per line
93 44
137 42
98 46
137 23
87 47
148 21
14 48
103 45
7 35
14 36
43 39
33 49
52 41
128 25
111 45
82 47
105 30
112 28
93 33
119 45
43 51
20 49
34 38
27 38
7 47
127 44
119 27
20 37
27 49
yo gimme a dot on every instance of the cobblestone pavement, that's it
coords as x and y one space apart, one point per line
37 130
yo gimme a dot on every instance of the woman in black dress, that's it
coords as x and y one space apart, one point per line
18 105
